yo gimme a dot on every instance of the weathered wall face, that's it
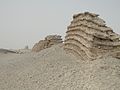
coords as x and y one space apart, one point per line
48 42
89 38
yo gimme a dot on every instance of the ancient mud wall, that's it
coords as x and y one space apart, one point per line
89 38
48 42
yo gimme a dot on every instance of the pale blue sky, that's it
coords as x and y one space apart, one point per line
25 22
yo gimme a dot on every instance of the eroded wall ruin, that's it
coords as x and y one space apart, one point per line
48 42
89 38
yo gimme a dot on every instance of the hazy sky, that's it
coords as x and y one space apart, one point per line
25 22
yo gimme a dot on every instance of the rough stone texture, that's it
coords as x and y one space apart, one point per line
89 38
53 69
48 42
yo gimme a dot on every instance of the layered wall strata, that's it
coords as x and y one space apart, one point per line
48 42
89 37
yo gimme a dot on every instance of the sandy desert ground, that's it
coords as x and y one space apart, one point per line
53 69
